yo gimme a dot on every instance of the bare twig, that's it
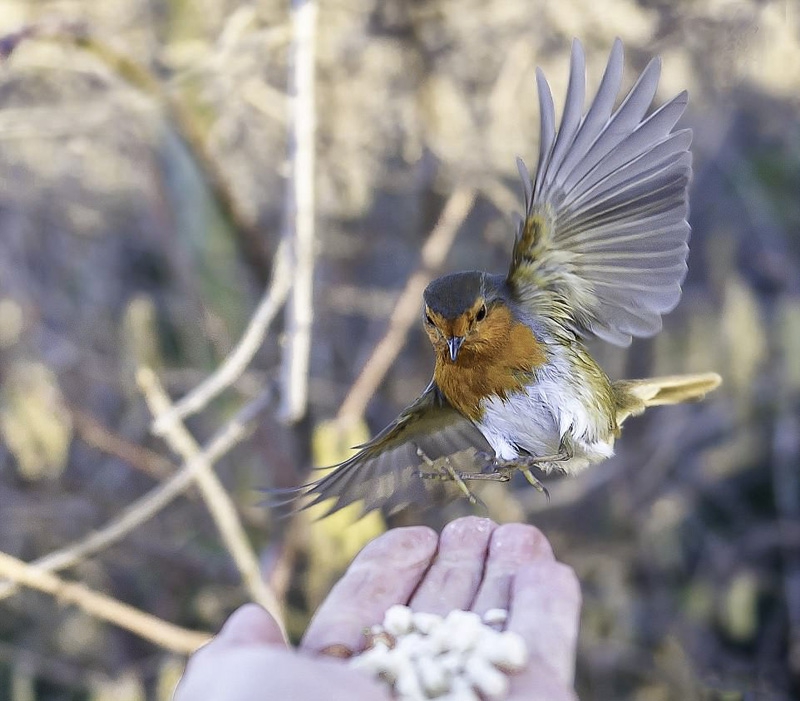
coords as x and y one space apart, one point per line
217 500
182 120
234 365
299 213
93 433
150 504
406 311
154 629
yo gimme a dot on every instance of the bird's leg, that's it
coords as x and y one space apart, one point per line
525 462
564 454
503 473
535 482
445 472
501 470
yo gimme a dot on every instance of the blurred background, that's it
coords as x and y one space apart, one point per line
144 155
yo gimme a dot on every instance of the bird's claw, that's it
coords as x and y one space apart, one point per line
499 470
494 470
444 471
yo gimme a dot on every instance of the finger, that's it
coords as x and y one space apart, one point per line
455 575
250 631
259 672
385 572
247 625
545 611
539 684
511 546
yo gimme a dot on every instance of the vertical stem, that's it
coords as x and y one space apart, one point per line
299 222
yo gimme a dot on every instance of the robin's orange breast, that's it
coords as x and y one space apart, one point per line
494 362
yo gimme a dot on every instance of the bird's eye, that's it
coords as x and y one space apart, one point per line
481 315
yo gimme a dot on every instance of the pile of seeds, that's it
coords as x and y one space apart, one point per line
457 658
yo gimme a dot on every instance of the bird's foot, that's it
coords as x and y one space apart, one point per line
445 471
500 470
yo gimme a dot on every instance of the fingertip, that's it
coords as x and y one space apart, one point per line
469 532
469 524
456 571
512 545
522 539
409 543
386 572
250 624
411 536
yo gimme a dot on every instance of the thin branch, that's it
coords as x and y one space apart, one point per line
407 309
299 214
146 507
217 499
189 130
236 362
182 120
93 433
147 626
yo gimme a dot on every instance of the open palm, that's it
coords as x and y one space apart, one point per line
473 565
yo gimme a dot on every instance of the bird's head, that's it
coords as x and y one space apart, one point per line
465 315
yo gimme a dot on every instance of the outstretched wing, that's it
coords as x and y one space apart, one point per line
382 473
604 240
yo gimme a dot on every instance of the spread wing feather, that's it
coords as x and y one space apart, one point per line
603 242
382 473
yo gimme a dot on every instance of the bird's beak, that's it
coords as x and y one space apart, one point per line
454 344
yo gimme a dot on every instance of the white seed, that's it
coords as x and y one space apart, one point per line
495 617
408 686
452 662
441 637
436 644
376 660
425 622
511 653
463 619
402 665
486 678
397 620
433 676
463 636
461 690
506 650
457 658
415 645
463 628
490 646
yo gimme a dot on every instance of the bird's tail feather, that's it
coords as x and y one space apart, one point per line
634 396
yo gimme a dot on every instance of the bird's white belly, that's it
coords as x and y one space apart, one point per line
540 419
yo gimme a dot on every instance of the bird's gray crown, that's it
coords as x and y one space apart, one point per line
452 295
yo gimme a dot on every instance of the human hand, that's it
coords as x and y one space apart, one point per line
474 565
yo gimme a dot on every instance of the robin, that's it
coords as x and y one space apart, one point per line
600 252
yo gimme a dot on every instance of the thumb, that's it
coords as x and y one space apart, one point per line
249 625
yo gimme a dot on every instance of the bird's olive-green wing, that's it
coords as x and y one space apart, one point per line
383 473
603 243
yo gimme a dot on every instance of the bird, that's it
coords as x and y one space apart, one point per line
600 252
